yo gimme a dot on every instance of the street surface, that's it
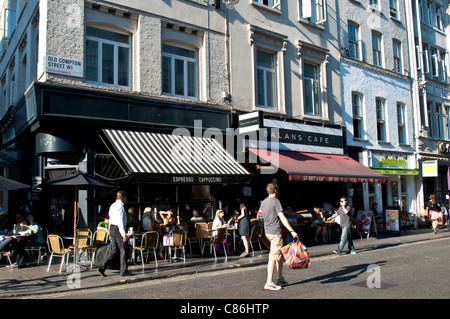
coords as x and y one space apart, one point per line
415 270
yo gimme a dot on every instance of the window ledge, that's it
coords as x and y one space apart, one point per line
311 24
265 7
200 2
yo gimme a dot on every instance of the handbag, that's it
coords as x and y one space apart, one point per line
168 240
296 255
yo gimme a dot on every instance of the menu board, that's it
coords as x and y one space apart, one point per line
392 220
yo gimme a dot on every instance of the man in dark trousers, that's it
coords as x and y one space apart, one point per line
117 224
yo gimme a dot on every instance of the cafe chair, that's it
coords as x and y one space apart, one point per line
99 238
83 243
201 234
178 243
56 247
255 237
218 238
149 243
40 248
6 254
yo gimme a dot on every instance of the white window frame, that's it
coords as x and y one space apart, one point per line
430 119
377 51
357 112
401 124
173 58
269 3
439 115
355 42
380 108
374 4
438 17
316 98
393 9
397 56
421 11
429 14
313 11
265 89
116 45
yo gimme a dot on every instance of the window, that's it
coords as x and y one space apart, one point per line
438 18
376 49
430 119
313 11
375 4
108 58
393 6
353 41
401 123
447 120
397 56
357 115
429 14
426 66
421 11
265 79
439 122
311 89
434 63
269 3
180 71
381 121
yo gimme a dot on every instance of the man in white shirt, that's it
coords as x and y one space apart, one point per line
117 224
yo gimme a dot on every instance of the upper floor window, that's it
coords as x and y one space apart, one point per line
397 55
393 6
376 49
313 10
108 57
438 18
353 41
179 71
375 4
358 128
401 124
265 79
311 89
381 119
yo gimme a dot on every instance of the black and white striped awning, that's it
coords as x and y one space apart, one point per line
169 158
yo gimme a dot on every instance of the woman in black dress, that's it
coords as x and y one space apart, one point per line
244 225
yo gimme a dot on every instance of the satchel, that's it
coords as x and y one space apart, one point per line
296 255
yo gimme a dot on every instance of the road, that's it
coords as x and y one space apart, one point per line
399 271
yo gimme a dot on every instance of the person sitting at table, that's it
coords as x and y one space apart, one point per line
34 229
169 219
219 222
196 216
150 222
105 223
318 222
13 247
21 222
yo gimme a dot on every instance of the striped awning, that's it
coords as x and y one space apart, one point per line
169 158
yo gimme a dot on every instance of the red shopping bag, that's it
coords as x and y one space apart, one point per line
296 255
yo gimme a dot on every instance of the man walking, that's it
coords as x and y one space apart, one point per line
345 215
273 213
117 224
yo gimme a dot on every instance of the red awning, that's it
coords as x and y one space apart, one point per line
320 167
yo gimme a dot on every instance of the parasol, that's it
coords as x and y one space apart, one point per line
7 184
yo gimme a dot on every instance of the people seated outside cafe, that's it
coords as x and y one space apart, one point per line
319 224
13 247
169 219
34 229
21 222
196 216
219 222
151 222
379 219
5 222
105 223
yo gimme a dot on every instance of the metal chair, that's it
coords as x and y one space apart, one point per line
218 238
255 236
31 248
178 243
83 243
6 254
149 243
201 234
99 238
56 247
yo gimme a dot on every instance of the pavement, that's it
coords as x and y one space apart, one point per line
33 281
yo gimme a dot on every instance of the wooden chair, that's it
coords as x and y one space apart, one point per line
83 243
149 243
255 236
178 243
56 247
201 234
99 238
218 238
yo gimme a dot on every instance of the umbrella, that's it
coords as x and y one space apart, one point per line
7 184
80 180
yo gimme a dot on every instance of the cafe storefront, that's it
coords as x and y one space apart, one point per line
126 139
307 161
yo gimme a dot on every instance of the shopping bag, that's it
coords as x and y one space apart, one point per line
296 255
168 240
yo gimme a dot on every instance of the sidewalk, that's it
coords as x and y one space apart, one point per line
34 280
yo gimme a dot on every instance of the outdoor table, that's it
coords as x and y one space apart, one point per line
330 224
135 235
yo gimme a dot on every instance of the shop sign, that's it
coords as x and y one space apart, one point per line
430 168
9 156
392 220
64 66
391 162
250 122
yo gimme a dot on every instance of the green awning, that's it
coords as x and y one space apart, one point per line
396 171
